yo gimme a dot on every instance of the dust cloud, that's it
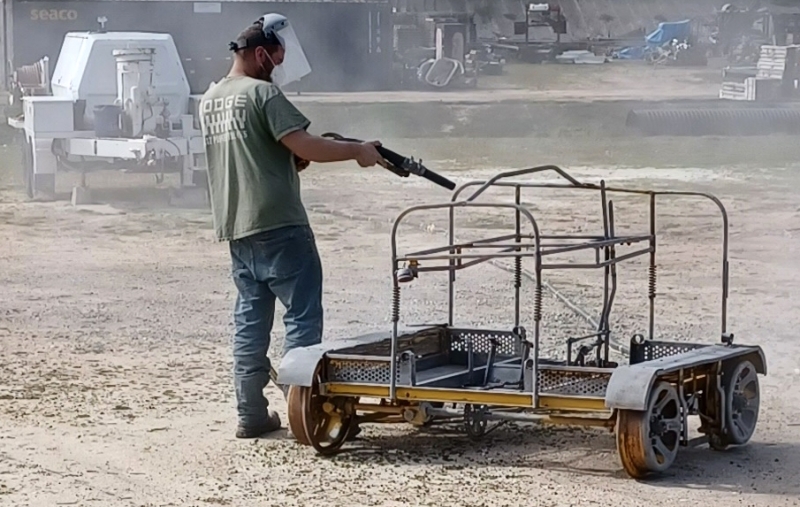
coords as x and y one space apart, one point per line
115 318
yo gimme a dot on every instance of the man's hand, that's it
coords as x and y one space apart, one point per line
300 163
368 156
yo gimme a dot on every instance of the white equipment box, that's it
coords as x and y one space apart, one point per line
49 114
118 100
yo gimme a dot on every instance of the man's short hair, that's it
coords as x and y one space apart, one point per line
253 37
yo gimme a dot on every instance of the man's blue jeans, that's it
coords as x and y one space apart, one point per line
281 264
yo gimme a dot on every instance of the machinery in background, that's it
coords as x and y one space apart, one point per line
27 81
451 39
117 100
444 54
488 60
542 29
739 32
542 15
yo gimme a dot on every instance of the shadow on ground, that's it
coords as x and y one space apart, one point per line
756 468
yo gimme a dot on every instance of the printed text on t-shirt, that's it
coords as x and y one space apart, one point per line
224 118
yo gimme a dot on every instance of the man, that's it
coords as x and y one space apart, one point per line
256 143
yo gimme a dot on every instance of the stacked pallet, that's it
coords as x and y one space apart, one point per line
777 72
776 62
752 89
733 90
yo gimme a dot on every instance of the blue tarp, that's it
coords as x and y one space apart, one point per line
665 32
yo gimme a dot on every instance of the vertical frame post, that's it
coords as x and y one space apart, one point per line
517 259
652 275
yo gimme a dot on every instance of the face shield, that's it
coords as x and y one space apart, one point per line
276 31
294 65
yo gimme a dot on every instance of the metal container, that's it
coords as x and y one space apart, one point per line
106 120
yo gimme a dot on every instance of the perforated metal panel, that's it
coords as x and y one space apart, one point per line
573 383
657 350
359 371
369 363
482 341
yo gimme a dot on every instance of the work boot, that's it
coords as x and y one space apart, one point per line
273 424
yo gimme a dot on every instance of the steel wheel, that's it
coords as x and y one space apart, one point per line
647 442
294 402
742 402
317 420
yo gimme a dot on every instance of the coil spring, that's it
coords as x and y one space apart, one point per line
651 282
396 303
537 303
518 272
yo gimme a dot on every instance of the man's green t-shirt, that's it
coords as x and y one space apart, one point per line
253 179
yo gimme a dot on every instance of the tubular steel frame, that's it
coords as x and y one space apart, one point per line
454 256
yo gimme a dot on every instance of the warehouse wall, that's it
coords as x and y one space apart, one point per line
347 44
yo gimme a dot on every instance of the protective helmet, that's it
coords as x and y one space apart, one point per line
271 24
276 31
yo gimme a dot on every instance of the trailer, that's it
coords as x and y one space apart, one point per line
117 100
468 376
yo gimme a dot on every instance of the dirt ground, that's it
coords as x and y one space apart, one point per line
115 367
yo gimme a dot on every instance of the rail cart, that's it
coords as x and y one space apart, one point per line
473 376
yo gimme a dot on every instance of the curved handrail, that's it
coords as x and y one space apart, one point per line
725 269
520 172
